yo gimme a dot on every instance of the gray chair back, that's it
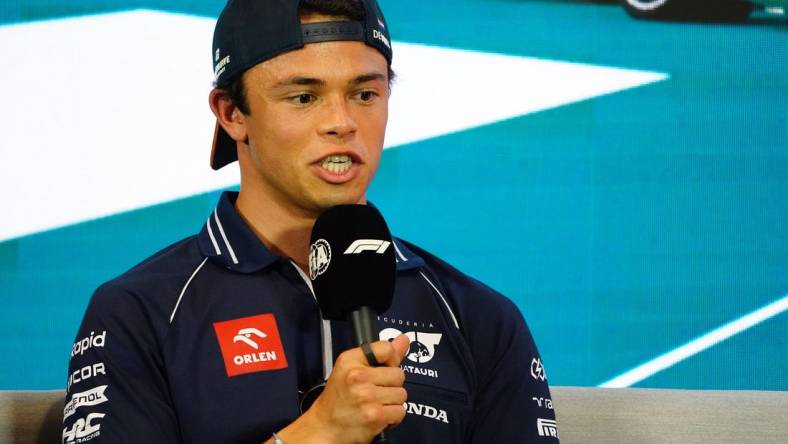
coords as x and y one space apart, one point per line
585 416
31 417
645 416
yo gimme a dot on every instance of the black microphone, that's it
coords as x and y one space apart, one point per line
352 267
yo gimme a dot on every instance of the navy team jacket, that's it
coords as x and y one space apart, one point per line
215 339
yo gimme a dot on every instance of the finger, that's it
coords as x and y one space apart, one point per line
391 395
400 346
391 353
372 360
384 376
393 414
368 394
387 353
378 376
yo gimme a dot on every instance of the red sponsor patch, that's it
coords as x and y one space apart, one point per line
250 344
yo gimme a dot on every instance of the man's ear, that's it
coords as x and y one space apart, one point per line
228 115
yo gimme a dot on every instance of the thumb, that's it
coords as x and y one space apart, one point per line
401 346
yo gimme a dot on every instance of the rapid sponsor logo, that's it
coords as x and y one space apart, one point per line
361 245
94 340
83 429
547 427
426 411
250 344
537 370
546 403
93 396
86 372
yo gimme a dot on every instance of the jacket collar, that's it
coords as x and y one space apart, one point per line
228 240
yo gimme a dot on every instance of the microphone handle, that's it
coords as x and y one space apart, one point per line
363 322
364 330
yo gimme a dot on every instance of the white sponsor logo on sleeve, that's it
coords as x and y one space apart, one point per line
537 370
93 396
86 372
94 340
84 429
547 427
546 403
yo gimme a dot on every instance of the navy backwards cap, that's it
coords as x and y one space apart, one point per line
249 32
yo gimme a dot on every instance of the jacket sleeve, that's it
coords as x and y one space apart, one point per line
117 389
512 402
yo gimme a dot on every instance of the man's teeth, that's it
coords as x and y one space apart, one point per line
337 164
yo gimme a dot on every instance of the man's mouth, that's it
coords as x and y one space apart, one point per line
337 164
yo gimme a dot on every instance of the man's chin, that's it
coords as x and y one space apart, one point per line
327 201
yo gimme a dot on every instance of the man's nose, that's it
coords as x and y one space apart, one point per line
338 120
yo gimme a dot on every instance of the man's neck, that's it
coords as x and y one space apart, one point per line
285 231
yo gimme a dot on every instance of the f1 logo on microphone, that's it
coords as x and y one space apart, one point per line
361 245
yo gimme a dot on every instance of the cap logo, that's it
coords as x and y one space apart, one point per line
250 344
380 22
379 36
319 258
216 57
221 65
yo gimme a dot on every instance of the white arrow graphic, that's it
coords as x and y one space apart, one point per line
109 113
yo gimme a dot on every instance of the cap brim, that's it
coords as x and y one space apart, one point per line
224 150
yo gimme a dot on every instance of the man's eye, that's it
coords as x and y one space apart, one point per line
367 96
303 99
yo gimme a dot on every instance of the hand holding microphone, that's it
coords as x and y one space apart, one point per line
352 267
359 401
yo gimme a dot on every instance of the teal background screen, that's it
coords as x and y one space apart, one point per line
624 226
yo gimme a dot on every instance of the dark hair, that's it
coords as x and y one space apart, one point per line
350 9
235 90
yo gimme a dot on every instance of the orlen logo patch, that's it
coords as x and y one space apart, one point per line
250 344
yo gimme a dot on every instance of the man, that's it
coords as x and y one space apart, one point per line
218 337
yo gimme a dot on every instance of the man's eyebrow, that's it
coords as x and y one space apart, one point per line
297 80
369 77
309 81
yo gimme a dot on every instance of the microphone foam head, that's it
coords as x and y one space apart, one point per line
351 261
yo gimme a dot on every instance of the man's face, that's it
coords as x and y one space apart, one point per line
316 125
